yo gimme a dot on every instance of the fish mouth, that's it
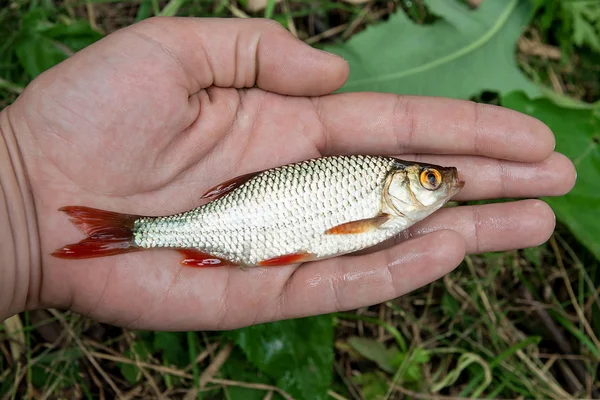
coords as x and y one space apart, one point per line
458 183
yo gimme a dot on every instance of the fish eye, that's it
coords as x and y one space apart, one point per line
431 179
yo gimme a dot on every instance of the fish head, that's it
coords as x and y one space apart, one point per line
418 189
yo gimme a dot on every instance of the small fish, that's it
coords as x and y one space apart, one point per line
306 211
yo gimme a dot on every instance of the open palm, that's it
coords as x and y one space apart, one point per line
148 119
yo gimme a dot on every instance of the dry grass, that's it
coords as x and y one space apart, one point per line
521 324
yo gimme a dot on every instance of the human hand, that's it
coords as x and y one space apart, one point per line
146 120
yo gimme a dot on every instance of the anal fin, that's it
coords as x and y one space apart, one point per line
195 258
359 226
287 259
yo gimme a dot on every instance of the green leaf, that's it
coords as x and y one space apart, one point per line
449 305
37 54
584 15
578 333
297 353
76 35
410 364
130 372
171 345
577 133
236 368
172 8
376 352
42 44
459 56
57 368
372 385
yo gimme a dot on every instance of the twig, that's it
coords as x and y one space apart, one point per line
16 336
534 48
593 297
11 87
482 295
556 83
565 356
572 380
236 11
85 351
577 262
258 386
215 365
290 20
335 395
328 33
202 356
578 309
91 14
157 368
349 384
357 21
555 332
269 395
426 396
148 377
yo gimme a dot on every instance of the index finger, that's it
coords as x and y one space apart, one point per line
395 124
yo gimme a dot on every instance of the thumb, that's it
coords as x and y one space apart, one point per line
245 53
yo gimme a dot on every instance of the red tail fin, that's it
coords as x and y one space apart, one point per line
109 233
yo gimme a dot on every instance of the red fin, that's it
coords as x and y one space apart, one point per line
286 259
108 233
227 186
360 226
195 258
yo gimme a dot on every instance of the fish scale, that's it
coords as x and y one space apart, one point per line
285 204
305 211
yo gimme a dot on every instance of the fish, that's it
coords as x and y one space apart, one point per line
299 212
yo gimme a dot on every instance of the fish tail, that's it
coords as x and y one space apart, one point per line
108 232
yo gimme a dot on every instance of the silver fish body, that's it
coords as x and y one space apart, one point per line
294 209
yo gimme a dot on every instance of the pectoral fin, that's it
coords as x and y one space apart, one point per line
360 226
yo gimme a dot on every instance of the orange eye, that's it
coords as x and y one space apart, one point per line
431 179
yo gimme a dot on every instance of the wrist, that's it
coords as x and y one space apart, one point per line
19 242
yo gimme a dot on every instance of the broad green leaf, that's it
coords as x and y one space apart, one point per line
376 352
460 55
577 134
37 54
297 353
76 35
42 44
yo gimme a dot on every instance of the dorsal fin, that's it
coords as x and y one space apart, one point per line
223 188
